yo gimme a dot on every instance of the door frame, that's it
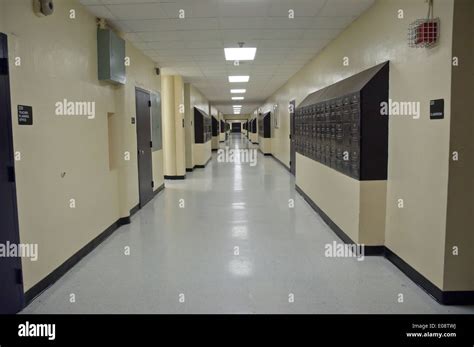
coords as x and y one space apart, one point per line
9 165
292 137
141 203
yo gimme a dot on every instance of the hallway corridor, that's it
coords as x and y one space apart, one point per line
188 253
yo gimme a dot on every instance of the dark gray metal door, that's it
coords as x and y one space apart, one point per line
144 145
11 288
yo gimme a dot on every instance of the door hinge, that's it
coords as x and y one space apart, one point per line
153 184
149 103
151 144
11 174
290 163
18 276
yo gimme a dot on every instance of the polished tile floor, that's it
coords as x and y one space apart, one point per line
234 247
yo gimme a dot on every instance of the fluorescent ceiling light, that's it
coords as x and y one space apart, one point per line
236 79
238 91
241 53
237 98
235 106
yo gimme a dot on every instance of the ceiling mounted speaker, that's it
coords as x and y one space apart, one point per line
43 7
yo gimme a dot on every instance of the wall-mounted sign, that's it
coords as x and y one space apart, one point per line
437 109
25 115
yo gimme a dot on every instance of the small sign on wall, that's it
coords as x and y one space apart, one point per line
437 109
25 115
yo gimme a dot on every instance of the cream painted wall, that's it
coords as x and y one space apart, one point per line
173 114
417 232
158 177
2 16
59 60
189 126
179 127
215 139
221 134
265 145
202 153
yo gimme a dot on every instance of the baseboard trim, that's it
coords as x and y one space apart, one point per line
443 297
280 162
214 149
167 177
155 193
203 166
189 169
134 210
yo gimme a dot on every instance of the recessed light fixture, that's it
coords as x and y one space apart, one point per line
240 53
238 98
237 79
238 91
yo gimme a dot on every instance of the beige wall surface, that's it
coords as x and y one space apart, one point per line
173 114
2 16
189 126
221 134
419 176
215 139
335 184
59 61
202 153
265 144
158 177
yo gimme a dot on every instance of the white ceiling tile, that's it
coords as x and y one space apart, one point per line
160 35
279 8
243 9
331 22
199 35
101 12
242 22
345 7
191 8
137 11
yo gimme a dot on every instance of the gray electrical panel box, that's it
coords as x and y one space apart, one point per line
111 56
156 122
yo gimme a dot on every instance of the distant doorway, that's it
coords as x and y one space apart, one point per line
11 287
236 127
